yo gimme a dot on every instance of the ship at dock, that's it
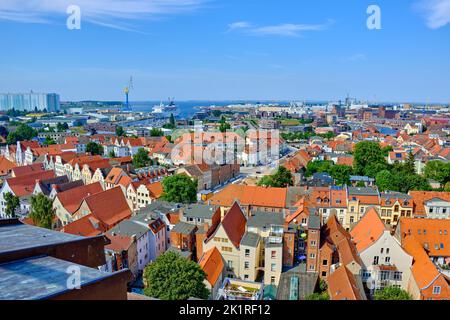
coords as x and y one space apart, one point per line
166 110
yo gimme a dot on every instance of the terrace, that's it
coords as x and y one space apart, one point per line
233 289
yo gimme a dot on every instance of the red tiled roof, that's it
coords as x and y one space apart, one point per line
87 226
72 199
29 169
234 224
24 185
110 206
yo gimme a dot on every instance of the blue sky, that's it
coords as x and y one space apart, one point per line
228 49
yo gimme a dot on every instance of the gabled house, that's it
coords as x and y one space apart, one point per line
213 265
110 207
227 238
23 188
385 263
66 203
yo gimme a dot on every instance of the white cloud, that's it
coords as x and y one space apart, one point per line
286 29
109 13
239 25
436 12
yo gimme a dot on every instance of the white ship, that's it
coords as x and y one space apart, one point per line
165 110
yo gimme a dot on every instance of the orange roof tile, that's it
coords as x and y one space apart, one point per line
433 233
420 197
251 195
212 264
5 166
368 230
342 285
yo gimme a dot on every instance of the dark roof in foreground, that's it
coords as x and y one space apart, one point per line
41 278
22 236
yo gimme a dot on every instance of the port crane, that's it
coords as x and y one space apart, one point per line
127 92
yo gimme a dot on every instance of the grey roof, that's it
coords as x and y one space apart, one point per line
307 282
261 219
156 209
365 191
314 221
185 254
46 185
361 178
21 236
250 239
184 228
131 228
41 278
70 185
199 211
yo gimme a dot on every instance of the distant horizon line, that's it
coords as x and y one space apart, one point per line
263 101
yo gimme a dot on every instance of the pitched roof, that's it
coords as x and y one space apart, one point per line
87 226
155 189
251 195
110 206
5 166
342 285
212 264
114 175
368 230
72 199
420 197
434 234
29 169
423 270
24 185
119 242
234 224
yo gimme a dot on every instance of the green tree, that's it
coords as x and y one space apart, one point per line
42 212
281 179
61 127
410 164
341 174
384 180
12 204
224 125
369 159
49 141
94 148
438 171
141 159
172 277
111 154
180 189
386 150
155 132
318 166
392 293
120 132
23 132
318 296
217 113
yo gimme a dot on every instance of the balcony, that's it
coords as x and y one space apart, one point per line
233 289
